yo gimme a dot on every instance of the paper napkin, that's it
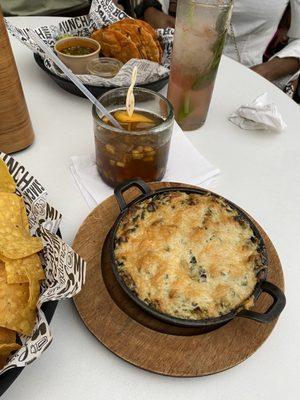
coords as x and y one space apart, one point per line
185 165
259 114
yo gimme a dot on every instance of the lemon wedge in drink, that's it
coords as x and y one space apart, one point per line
122 117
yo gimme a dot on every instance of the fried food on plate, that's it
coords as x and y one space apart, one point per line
129 38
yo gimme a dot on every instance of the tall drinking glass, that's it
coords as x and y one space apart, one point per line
200 33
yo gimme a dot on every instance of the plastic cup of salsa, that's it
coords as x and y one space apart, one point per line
105 67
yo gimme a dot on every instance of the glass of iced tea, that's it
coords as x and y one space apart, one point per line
141 148
200 33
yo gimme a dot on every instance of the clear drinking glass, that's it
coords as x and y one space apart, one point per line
141 149
200 33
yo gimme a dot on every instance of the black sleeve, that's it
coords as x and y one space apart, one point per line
128 7
142 7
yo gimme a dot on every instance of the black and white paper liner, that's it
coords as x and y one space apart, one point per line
64 269
39 212
66 279
32 347
102 13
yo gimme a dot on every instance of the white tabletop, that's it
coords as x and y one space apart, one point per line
260 171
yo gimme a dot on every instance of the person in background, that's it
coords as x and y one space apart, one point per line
45 7
66 8
254 24
159 14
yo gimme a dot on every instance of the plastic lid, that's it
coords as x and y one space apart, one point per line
105 67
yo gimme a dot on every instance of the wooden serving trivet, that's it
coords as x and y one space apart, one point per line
139 338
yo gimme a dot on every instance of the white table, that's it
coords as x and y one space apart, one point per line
260 171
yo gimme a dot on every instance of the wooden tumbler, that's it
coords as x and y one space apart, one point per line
16 131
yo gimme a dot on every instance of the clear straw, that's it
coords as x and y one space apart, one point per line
73 77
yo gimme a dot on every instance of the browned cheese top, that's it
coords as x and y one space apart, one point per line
188 255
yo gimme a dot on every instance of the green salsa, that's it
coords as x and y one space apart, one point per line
77 50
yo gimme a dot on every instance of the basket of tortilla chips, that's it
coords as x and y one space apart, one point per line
36 266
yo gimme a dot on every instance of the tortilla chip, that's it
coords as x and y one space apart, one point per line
15 240
17 311
7 336
34 289
17 271
5 350
7 344
7 183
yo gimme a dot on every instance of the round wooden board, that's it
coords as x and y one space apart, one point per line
142 340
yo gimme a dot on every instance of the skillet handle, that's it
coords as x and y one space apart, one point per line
273 311
120 189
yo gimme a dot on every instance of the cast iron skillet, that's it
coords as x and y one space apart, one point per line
97 91
262 285
11 375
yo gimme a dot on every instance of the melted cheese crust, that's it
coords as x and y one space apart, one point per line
190 256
